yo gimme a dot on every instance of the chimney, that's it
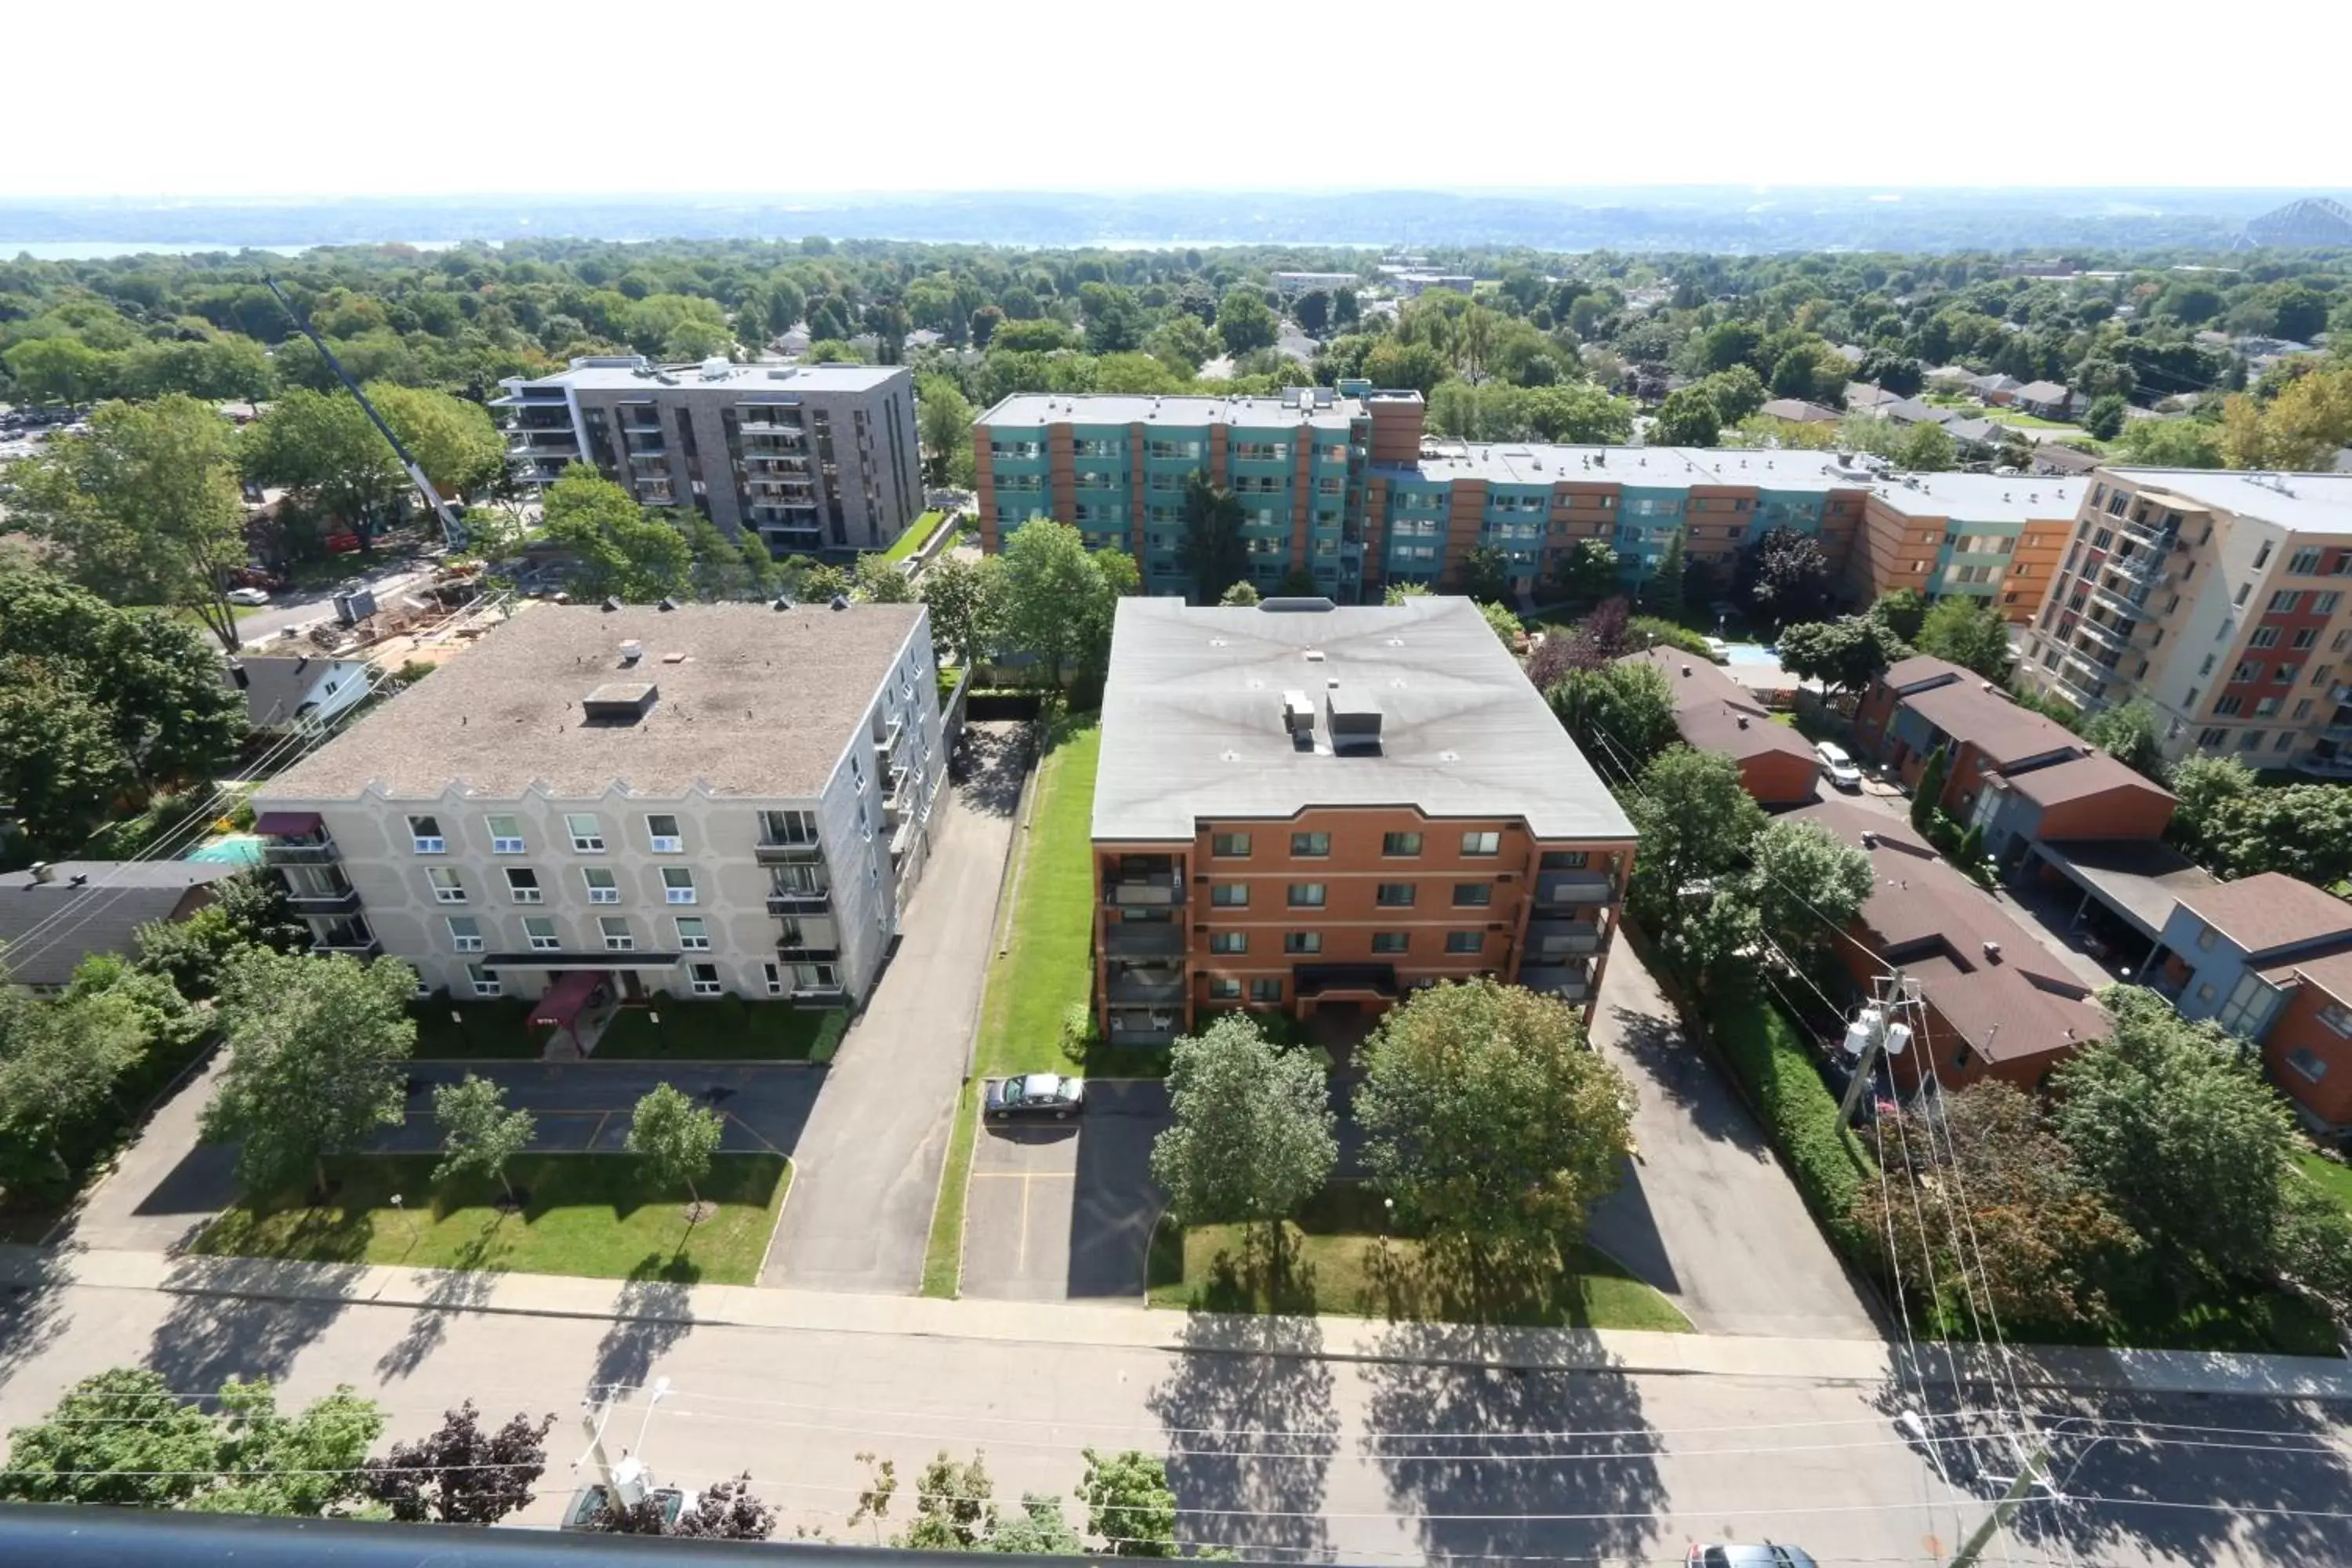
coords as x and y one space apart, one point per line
1686 672
1743 721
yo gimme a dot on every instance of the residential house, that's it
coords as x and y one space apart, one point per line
1977 439
2062 461
1315 808
1798 411
1864 397
1993 1002
54 916
1912 411
286 694
1995 388
2045 400
2270 958
1713 712
1951 377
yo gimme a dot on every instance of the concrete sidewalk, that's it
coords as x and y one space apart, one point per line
1866 1363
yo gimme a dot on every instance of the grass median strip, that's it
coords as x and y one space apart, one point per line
590 1216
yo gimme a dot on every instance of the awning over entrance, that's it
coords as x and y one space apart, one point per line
287 824
543 959
1332 981
565 998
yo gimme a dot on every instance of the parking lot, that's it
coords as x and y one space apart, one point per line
584 1107
1063 1211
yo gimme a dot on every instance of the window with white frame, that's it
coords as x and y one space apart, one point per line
693 936
664 834
704 979
538 934
465 933
1482 843
678 884
602 889
424 835
773 976
522 886
587 833
448 887
615 929
788 828
485 980
817 977
506 836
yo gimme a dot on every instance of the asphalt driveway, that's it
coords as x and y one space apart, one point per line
1063 1211
1705 1213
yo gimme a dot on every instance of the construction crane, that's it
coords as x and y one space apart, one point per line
453 531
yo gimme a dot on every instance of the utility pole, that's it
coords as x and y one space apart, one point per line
2029 1476
1880 1036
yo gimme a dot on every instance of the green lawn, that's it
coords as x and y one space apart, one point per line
2333 1176
464 1031
1339 1258
918 533
1047 926
727 1029
589 1215
2025 421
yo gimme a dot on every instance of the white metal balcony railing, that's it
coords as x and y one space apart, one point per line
2115 637
2133 604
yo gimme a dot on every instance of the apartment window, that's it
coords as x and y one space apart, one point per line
1310 845
1267 989
1392 942
522 886
663 833
1225 990
1305 895
1400 844
1465 941
2307 1062
506 836
2210 738
2285 673
486 981
1482 843
678 884
2262 556
2306 639
2303 562
788 828
424 835
1230 896
772 975
1230 845
1229 941
2248 669
2206 938
1565 859
704 978
693 936
587 835
448 887
2338 1018
2264 636
2285 742
2325 603
2302 710
465 933
1298 942
602 887
2228 707
2251 740
1472 895
2206 668
2284 602
816 976
618 937
2240 596
539 933
1394 895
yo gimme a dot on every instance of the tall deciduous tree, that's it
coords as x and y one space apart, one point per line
144 507
1697 827
963 597
1130 1507
323 447
477 1131
2132 734
462 1473
1253 1135
675 1137
1972 634
944 425
1619 715
881 582
620 549
1845 655
316 1048
1587 572
1485 576
1212 548
1054 598
452 440
1487 1117
1902 610
1807 884
1787 577
1661 590
1245 322
1688 417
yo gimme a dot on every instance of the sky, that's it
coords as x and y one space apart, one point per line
165 98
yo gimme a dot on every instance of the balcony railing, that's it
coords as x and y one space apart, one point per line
1575 888
787 853
1157 889
2339 766
1571 982
1557 938
1144 1028
1143 939
300 852
1147 988
345 901
350 945
2102 634
2130 602
800 903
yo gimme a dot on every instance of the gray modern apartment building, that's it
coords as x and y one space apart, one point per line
718 799
810 457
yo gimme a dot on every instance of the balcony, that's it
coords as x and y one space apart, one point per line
2083 694
2143 568
1143 939
1151 890
1147 987
801 903
787 853
1558 889
343 901
2115 637
318 851
2153 530
363 947
792 951
551 446
2339 766
653 454
1551 939
1569 982
2131 605
1144 1027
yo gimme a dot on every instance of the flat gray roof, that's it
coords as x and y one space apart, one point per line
1025 410
752 702
2307 503
640 377
1193 721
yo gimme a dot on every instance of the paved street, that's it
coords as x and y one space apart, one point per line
1289 1439
869 1160
300 607
1706 1214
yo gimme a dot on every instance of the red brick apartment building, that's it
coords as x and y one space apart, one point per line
1307 808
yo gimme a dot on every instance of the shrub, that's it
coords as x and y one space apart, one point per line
1800 1116
1652 632
829 1035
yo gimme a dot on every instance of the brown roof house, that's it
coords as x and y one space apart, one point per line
54 916
1713 712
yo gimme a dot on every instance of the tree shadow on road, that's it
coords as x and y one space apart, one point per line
229 1318
1455 1436
32 1315
461 1285
1251 1431
653 1312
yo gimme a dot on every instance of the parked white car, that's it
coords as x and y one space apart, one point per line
247 595
1838 765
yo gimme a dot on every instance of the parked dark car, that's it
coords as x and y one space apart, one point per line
1037 1094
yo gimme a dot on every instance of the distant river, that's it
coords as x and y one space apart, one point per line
105 249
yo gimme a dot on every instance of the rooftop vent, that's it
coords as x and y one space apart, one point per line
1992 952
610 605
667 604
1315 655
1353 719
841 601
1869 839
1686 669
1298 713
632 650
620 702
1296 604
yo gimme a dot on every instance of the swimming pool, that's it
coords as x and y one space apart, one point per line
1750 653
237 848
